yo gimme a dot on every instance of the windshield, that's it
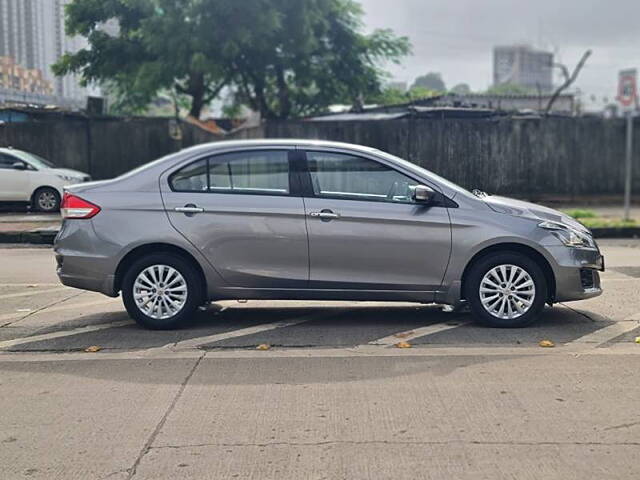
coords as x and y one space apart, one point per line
33 160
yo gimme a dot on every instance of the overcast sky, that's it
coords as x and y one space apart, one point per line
455 37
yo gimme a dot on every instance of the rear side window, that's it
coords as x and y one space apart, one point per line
192 178
259 172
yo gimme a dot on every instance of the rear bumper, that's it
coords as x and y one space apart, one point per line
75 271
79 265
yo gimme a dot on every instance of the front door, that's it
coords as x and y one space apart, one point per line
15 185
366 231
240 211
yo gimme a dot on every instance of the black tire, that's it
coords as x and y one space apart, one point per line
46 200
193 282
482 267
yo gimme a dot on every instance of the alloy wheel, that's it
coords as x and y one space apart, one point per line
160 291
47 200
507 291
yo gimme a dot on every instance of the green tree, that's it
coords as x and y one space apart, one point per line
461 89
281 57
161 44
316 57
430 81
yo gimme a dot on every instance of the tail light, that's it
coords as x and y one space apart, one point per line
76 207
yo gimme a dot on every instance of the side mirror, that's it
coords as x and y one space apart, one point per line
423 194
19 166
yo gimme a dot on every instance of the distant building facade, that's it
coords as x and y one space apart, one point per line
16 77
32 33
524 66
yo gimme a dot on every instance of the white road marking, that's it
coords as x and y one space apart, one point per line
14 317
415 333
200 341
65 333
32 292
605 334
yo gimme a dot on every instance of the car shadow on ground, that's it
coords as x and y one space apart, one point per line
320 326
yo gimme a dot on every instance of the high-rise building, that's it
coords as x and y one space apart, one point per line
524 66
32 33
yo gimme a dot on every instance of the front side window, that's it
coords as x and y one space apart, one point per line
260 172
6 162
339 175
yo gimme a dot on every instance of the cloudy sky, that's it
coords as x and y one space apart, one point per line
455 37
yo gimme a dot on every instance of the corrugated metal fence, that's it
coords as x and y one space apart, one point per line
521 157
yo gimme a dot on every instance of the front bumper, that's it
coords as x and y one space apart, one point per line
576 273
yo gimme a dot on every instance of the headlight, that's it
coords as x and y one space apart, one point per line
569 235
67 178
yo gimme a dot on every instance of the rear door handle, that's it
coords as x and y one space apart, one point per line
189 209
325 214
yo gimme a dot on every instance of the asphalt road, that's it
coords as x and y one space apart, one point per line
331 398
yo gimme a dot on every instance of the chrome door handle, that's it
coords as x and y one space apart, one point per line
189 209
327 215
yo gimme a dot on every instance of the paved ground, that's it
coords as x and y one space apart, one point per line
331 399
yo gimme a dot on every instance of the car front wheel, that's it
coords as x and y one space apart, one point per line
506 290
161 291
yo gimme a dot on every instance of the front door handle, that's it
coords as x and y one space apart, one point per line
190 208
325 215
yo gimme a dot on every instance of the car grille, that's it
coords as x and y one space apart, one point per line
586 278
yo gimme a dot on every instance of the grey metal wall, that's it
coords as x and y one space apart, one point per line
527 158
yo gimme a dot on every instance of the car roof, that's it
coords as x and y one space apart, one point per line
278 142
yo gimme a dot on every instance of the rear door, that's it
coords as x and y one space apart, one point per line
242 211
366 232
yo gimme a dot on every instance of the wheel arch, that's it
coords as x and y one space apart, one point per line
519 248
149 248
32 198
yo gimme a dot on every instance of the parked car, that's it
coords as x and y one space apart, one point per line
28 178
299 219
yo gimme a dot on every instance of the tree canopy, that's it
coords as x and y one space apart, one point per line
282 58
430 81
461 89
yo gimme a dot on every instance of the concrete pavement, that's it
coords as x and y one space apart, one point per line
331 399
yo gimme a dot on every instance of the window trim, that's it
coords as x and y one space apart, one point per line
293 192
308 182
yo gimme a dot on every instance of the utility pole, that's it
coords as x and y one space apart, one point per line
628 98
628 167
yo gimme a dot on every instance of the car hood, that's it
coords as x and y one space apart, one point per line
519 208
69 173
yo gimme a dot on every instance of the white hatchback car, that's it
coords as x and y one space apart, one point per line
28 178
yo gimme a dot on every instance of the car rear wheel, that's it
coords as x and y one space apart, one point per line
161 291
506 290
46 200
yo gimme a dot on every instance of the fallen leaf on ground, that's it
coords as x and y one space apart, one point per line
403 345
546 343
403 334
263 346
93 349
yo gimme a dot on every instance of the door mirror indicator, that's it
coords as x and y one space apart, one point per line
423 194
19 166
